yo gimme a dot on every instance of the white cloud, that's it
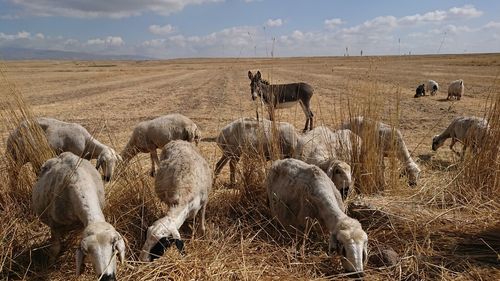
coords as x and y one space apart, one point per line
161 30
10 37
107 8
438 16
274 23
333 23
492 24
108 41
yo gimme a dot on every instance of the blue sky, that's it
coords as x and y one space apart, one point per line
248 28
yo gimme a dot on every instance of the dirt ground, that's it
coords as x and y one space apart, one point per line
110 97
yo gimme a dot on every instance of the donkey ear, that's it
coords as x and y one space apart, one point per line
250 75
257 75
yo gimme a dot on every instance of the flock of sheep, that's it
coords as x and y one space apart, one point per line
455 89
310 181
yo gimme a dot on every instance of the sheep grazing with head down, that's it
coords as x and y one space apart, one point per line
456 89
468 130
420 91
332 152
298 191
432 87
69 194
183 182
153 134
387 139
254 136
61 137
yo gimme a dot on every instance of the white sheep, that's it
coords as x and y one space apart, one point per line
298 191
153 134
183 182
68 195
432 87
257 136
468 130
331 151
456 89
61 137
388 139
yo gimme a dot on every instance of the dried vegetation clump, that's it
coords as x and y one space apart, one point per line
448 228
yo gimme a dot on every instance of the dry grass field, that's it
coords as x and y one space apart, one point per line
446 228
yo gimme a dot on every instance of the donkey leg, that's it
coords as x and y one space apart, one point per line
309 115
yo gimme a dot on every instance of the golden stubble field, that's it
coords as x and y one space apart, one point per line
425 225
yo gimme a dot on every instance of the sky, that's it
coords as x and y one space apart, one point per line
251 28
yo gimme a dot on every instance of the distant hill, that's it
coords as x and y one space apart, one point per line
10 53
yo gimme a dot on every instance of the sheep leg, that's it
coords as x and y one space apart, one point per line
453 142
220 164
202 218
154 158
55 247
232 168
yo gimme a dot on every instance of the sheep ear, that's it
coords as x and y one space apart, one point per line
119 246
80 266
250 75
333 245
180 246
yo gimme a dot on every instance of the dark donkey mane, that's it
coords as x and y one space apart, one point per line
277 96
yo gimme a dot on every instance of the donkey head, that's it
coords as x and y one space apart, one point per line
255 84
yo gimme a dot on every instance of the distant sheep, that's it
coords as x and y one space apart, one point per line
183 182
387 136
68 194
249 134
468 130
332 152
153 134
61 137
431 87
298 191
456 89
420 91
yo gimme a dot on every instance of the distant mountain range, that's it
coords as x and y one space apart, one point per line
11 53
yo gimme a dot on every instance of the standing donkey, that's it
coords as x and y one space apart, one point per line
282 96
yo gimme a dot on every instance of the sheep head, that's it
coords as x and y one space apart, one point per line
437 142
108 160
412 171
159 238
340 173
101 243
350 241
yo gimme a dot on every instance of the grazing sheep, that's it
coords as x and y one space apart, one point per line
298 191
432 87
183 182
420 91
68 195
456 89
249 134
332 152
61 137
468 130
388 136
153 134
